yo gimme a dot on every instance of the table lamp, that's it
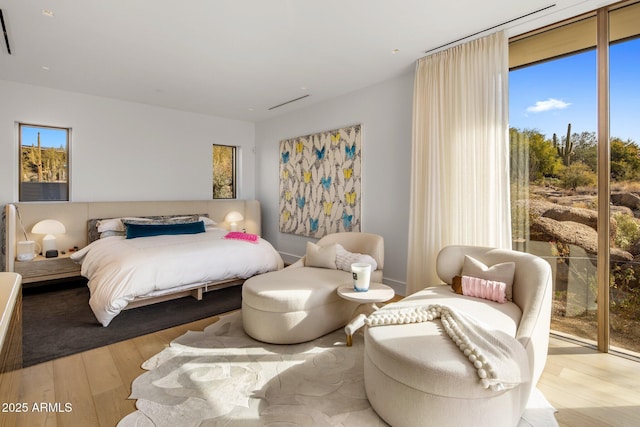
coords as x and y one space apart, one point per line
49 227
233 218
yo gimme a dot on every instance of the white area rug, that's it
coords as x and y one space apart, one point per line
221 377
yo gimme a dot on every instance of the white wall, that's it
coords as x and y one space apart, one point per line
122 151
385 112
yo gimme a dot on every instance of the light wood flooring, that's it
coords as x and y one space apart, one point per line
588 388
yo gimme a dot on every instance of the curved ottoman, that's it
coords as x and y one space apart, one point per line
295 305
415 375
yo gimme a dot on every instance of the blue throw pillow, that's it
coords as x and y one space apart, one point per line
146 230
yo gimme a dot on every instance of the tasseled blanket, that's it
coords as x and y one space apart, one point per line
492 355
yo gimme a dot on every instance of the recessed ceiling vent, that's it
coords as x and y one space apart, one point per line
4 32
288 102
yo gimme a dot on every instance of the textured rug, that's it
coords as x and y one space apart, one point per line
57 319
221 377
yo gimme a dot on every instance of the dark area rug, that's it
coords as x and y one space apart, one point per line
57 319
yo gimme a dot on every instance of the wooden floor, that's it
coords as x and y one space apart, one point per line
91 388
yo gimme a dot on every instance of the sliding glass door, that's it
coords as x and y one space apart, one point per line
559 110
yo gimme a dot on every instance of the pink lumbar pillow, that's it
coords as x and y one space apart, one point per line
503 272
480 288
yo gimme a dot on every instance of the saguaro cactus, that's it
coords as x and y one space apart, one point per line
566 151
39 157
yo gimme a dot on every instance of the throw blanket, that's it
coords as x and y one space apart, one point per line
492 355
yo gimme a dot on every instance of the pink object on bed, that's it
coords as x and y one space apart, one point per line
238 235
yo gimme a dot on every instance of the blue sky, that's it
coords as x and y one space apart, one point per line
552 94
48 137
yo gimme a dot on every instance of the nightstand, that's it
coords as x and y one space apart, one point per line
41 269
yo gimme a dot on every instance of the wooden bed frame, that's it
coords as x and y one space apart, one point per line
75 215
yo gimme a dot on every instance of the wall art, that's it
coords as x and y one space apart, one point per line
320 182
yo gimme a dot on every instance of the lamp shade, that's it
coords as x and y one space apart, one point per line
49 226
232 218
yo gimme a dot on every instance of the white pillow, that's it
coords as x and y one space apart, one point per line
111 233
321 256
116 224
344 259
498 273
113 224
208 222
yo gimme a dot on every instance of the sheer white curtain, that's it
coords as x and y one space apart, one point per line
460 154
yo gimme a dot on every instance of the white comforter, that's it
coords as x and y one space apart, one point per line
120 269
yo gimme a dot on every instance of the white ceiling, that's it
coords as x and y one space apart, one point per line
238 58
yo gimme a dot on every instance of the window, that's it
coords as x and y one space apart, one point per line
224 172
44 163
575 158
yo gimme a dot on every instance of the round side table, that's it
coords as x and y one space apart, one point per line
377 292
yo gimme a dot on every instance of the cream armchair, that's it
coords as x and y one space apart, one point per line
414 374
300 303
532 287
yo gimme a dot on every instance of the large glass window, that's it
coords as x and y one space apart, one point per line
553 124
556 117
44 163
624 88
224 172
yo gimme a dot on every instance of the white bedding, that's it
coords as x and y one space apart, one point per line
120 269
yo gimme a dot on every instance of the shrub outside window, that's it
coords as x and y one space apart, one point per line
224 172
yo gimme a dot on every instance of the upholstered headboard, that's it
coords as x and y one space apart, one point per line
75 215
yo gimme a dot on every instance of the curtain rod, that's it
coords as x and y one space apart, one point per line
491 28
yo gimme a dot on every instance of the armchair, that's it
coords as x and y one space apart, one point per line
300 303
415 375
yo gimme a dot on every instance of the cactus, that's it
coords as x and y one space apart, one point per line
566 151
39 159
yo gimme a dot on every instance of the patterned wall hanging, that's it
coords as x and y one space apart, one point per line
320 182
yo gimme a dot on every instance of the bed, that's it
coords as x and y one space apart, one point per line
128 272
